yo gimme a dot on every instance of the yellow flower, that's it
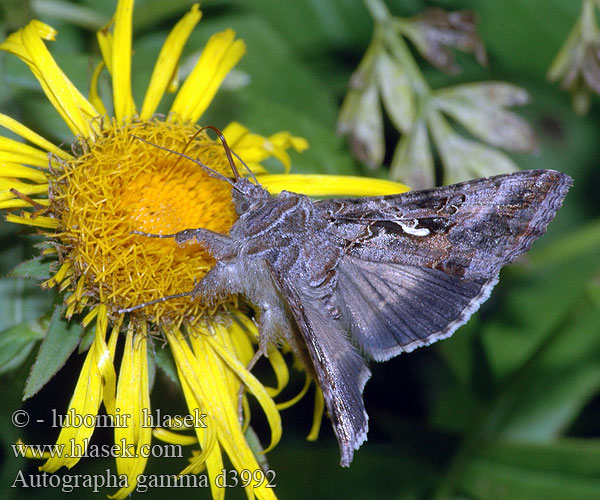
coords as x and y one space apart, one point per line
88 202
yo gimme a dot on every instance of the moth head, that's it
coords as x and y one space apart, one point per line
247 196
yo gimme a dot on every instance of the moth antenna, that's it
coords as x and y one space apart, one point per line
229 152
156 301
190 140
213 173
226 147
246 167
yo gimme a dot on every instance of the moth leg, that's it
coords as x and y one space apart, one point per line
218 283
219 245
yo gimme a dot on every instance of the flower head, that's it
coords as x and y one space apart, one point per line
88 203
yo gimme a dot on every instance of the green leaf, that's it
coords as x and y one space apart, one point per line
546 405
309 24
16 343
256 446
164 360
539 300
525 35
560 382
361 120
22 301
87 338
60 341
583 240
36 268
413 161
563 470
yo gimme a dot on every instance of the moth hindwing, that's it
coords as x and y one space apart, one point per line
347 280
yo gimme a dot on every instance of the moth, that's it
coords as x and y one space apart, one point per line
348 280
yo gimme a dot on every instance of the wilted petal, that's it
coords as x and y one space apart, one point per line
362 121
563 59
360 116
485 119
581 96
396 92
413 162
436 30
488 93
464 159
578 61
591 67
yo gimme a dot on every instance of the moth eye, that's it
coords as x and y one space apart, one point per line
243 206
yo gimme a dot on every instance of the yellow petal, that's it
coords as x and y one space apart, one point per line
121 61
84 403
107 368
208 441
168 59
286 140
17 203
208 379
94 96
8 169
60 275
105 42
27 44
255 387
278 144
173 437
317 415
133 399
194 389
330 185
72 105
234 133
6 184
14 41
26 219
282 373
297 397
220 54
254 148
31 451
21 158
29 135
28 154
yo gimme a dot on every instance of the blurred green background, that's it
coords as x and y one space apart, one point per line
509 408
